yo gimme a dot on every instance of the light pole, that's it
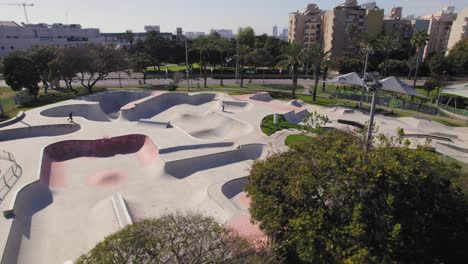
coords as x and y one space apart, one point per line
368 51
187 71
373 84
237 61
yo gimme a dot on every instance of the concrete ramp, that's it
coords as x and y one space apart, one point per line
296 117
38 131
185 167
112 102
92 112
155 105
211 126
295 103
236 106
263 97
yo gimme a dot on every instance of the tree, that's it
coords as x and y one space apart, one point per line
1 65
259 58
41 57
458 58
437 66
20 72
317 57
139 62
97 62
202 44
246 43
223 47
418 41
329 200
66 65
130 37
176 239
293 58
411 64
242 52
387 44
247 37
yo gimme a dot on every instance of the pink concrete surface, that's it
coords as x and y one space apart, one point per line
148 153
56 155
243 226
243 199
106 179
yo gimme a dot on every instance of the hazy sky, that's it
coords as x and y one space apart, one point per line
199 15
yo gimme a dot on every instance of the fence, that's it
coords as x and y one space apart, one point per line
11 176
462 112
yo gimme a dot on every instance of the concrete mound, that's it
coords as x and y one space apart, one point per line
112 102
295 103
233 106
215 126
92 112
157 104
234 192
38 131
263 97
185 167
296 117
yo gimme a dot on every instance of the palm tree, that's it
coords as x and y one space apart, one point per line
202 44
242 53
223 46
419 41
387 44
411 64
293 58
317 57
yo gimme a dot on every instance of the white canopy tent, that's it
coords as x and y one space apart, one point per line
395 85
351 78
457 90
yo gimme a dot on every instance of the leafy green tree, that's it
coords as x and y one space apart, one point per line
1 65
66 65
387 44
130 37
394 67
42 56
293 58
317 57
329 200
246 43
223 47
247 37
203 44
176 239
346 64
139 62
259 58
437 66
458 58
418 41
411 65
243 52
97 62
20 72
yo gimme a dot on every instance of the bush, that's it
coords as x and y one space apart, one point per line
346 65
176 239
395 68
331 199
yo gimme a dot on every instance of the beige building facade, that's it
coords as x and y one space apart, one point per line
305 26
459 29
440 26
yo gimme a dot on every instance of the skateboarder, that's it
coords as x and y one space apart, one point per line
222 106
70 117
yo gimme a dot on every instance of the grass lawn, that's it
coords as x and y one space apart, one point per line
173 68
296 139
461 181
44 99
269 128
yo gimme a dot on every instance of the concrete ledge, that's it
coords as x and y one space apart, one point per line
121 211
351 123
20 116
428 136
455 116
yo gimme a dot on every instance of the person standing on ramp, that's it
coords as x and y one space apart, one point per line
70 117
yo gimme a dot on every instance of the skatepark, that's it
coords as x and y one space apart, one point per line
134 155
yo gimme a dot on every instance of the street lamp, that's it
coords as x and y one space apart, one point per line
187 71
368 50
372 84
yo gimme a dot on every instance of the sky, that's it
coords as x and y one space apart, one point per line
191 15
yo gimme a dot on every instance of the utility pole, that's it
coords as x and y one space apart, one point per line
368 50
374 87
237 62
187 70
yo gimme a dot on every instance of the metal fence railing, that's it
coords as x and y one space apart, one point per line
462 112
11 176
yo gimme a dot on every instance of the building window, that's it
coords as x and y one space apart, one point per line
11 47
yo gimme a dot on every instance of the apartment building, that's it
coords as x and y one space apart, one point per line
305 26
14 36
367 18
440 26
459 29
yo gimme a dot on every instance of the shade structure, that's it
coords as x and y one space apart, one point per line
395 85
351 79
457 90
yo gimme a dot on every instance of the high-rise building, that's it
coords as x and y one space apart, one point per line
396 13
459 29
396 25
225 33
305 26
336 40
275 31
440 26
284 34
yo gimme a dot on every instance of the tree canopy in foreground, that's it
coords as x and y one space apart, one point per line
177 239
327 200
